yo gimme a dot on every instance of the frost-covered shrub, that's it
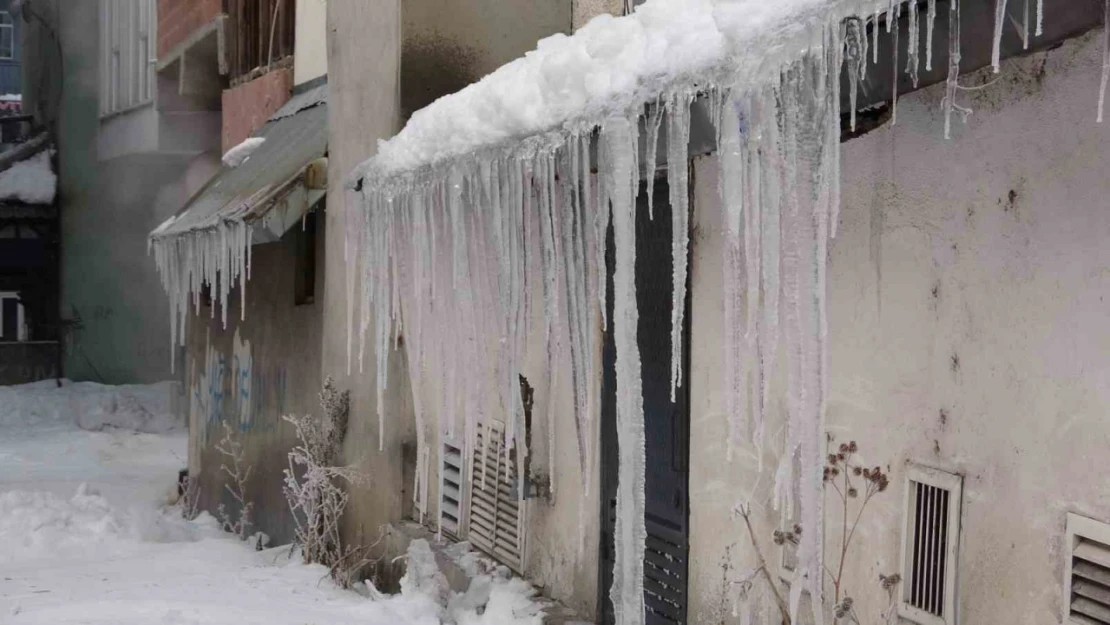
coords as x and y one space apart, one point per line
238 474
313 487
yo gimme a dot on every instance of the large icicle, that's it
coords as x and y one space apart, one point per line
952 84
678 178
1105 59
627 593
999 26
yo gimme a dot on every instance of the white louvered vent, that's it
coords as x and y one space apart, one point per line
931 537
496 514
1087 575
451 504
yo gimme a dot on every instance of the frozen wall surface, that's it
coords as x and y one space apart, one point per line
967 332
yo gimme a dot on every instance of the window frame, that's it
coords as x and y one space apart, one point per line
7 25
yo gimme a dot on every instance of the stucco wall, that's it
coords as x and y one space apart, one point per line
252 373
363 78
310 54
448 44
967 332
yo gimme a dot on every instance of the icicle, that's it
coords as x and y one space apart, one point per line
1105 59
953 66
627 593
1040 17
678 178
930 21
733 160
999 25
651 143
894 82
856 41
1026 34
913 62
875 39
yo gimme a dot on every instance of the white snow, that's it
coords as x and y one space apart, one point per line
237 155
11 97
32 180
87 537
92 406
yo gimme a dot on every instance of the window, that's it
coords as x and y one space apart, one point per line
7 36
260 36
126 54
13 327
930 542
305 278
1087 574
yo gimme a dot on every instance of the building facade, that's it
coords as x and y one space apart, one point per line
965 320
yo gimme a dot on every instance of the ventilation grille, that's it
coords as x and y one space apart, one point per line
451 490
664 572
1089 600
495 509
930 545
930 548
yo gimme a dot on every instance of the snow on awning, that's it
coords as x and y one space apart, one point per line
208 241
491 194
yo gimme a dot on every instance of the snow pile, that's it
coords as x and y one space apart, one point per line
91 406
32 181
237 155
33 524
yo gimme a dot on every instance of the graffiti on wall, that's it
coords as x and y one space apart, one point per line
231 388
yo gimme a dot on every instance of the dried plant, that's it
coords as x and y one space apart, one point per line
238 475
190 498
314 491
852 483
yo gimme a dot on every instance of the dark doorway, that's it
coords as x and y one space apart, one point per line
667 425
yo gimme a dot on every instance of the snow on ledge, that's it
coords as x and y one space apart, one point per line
32 180
237 155
611 65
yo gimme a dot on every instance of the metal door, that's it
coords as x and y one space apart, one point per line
666 424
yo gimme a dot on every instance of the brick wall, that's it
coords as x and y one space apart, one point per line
249 105
177 19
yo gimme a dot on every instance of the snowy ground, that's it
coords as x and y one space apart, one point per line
86 535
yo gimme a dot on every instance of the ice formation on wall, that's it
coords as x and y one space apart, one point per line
489 213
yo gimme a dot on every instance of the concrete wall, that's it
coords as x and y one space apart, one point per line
967 330
108 279
249 375
448 44
363 81
310 54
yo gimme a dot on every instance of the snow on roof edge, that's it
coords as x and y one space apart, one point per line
610 66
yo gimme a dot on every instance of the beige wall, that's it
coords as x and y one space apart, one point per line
310 54
967 331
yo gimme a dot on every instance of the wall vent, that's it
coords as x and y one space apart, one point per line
450 489
1087 574
930 544
496 514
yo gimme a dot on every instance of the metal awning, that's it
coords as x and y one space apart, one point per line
266 191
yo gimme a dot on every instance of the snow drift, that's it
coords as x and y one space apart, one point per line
147 408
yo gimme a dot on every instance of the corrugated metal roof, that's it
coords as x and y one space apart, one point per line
247 192
302 101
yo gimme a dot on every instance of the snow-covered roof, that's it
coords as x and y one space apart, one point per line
608 66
